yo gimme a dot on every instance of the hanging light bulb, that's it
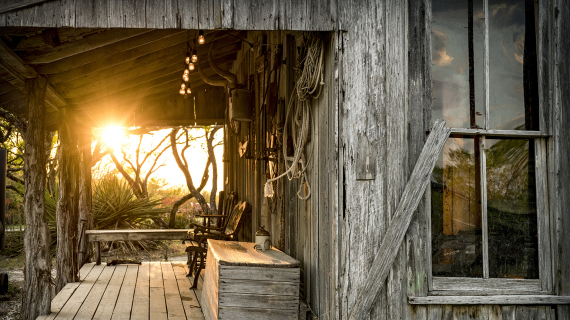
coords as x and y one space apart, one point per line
191 66
182 91
185 78
188 59
201 38
188 91
186 71
183 86
194 55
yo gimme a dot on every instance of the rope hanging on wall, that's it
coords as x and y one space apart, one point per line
307 87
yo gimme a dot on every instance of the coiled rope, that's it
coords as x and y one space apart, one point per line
307 87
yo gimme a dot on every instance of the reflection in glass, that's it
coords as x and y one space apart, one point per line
451 66
456 211
511 209
513 96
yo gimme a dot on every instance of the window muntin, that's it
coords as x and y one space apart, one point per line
477 231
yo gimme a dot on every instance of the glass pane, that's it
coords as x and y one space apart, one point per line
451 82
456 211
513 96
511 209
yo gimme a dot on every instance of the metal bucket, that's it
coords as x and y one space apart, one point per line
242 105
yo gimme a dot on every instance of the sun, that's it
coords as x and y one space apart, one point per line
113 137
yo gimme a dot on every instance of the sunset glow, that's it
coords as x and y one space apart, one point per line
113 137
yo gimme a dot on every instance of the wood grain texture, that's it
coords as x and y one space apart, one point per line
500 299
314 15
403 215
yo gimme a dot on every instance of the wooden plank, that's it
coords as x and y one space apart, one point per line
9 5
500 299
101 52
91 42
117 58
189 299
486 285
74 303
84 271
107 305
241 313
141 298
499 133
157 298
122 310
62 296
258 301
91 303
260 287
258 273
410 199
137 234
172 293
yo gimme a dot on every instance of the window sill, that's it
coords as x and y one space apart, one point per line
498 299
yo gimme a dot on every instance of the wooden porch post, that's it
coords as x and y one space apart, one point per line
67 203
85 192
37 269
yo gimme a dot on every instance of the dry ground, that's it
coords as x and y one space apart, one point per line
10 303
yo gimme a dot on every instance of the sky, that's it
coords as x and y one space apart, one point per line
196 155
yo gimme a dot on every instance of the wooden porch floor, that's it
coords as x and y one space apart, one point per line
153 290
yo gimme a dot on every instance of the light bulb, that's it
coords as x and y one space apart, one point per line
187 60
201 38
182 91
185 77
186 71
191 66
188 91
183 86
194 55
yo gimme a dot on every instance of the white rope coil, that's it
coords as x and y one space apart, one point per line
308 86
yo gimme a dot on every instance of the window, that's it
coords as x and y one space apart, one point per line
489 217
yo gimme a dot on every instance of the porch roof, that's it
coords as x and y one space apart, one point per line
123 76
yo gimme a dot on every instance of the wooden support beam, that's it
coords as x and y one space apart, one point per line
147 72
36 298
91 42
104 51
85 194
68 197
120 57
20 71
173 72
146 89
394 236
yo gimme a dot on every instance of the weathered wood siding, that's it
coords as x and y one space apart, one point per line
171 14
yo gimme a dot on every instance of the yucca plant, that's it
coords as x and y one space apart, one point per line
114 207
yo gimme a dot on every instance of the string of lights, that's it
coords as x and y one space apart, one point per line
191 59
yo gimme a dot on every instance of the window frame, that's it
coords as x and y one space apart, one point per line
466 286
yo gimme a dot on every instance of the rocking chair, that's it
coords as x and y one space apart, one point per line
197 241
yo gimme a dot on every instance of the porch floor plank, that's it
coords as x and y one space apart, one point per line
152 290
158 305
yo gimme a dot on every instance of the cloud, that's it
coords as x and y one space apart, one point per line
440 56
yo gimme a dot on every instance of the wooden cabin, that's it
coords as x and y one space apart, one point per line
487 239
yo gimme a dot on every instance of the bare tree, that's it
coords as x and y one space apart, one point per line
183 165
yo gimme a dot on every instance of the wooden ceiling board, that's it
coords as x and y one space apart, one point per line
84 44
121 82
119 57
37 41
132 69
167 88
102 52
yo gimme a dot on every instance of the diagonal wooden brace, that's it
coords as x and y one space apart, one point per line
394 236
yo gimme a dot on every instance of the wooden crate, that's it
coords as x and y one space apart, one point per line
244 283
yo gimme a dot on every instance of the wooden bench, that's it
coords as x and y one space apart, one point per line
132 235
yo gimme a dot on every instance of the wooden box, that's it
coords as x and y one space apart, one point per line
241 282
